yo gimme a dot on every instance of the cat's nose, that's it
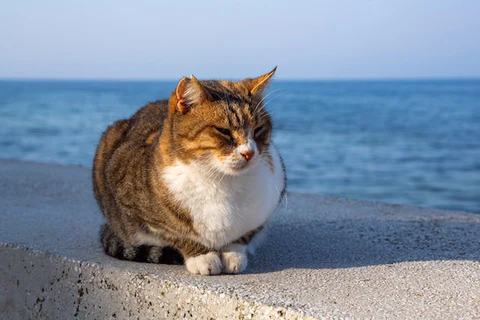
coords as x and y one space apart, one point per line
247 154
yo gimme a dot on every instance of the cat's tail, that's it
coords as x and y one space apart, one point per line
115 247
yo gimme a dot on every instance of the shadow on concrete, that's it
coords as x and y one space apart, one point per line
358 243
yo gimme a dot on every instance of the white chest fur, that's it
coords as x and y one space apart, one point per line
225 208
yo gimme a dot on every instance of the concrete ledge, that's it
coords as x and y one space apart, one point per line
325 257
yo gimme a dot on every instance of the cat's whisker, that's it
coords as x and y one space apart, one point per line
208 173
270 100
265 115
218 173
222 175
263 99
269 113
264 167
215 174
211 171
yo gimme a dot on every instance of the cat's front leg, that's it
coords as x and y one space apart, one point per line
234 258
198 258
204 264
234 255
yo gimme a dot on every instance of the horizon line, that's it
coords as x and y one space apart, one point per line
295 79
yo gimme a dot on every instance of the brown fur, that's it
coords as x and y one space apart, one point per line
127 185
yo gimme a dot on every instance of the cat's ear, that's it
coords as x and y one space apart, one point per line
257 85
189 93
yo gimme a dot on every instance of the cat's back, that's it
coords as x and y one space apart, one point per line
147 121
126 143
134 132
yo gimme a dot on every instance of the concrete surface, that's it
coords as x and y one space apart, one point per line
325 257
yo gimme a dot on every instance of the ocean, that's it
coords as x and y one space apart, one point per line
404 142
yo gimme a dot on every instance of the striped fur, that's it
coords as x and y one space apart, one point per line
142 253
214 134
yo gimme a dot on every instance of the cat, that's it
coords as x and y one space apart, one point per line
192 179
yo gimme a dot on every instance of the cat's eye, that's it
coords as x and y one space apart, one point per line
224 131
257 131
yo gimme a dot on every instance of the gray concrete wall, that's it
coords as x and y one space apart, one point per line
324 257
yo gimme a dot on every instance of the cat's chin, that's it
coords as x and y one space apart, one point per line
236 171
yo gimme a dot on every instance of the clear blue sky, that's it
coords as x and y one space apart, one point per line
335 39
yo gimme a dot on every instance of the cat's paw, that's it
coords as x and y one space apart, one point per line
205 264
234 262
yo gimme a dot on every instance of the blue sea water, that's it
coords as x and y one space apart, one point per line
408 142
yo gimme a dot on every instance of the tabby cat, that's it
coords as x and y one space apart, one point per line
192 179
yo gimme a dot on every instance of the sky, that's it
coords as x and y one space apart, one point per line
335 39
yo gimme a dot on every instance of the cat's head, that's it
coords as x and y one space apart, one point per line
220 125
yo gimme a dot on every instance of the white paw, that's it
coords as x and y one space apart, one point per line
234 262
205 264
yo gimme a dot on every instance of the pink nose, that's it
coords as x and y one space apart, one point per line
247 154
